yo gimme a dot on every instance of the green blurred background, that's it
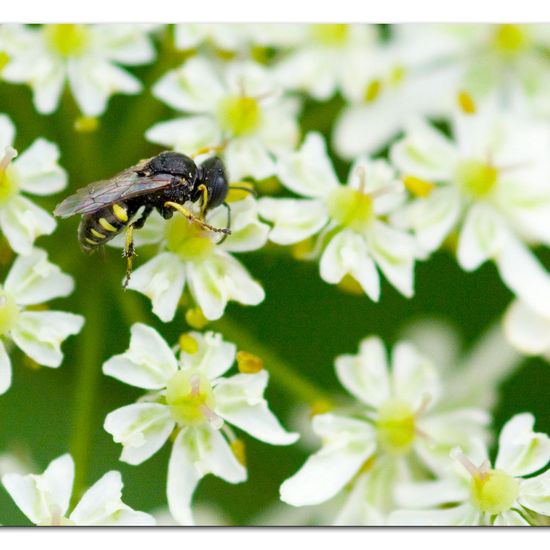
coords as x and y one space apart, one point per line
304 320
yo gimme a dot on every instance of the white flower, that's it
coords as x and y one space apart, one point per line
322 59
490 181
33 280
35 171
375 444
192 397
528 329
44 498
190 256
225 37
485 495
87 56
235 106
347 219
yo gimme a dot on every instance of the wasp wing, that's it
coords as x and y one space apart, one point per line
125 185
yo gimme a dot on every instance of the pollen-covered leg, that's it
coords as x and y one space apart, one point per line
192 218
128 253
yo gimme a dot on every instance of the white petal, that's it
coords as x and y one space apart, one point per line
365 375
428 494
7 132
534 493
309 171
22 222
465 514
526 329
240 401
348 444
196 453
38 170
43 498
414 377
148 363
186 135
214 356
5 370
128 44
40 334
293 220
142 429
521 451
195 87
248 157
510 518
102 504
33 279
348 253
162 280
218 279
394 252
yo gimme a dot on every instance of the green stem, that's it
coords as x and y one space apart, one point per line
282 373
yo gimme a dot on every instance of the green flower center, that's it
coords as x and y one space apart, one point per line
494 492
187 240
476 179
67 40
351 208
330 35
239 115
511 39
9 312
190 398
396 426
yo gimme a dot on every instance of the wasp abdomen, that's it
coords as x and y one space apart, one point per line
100 227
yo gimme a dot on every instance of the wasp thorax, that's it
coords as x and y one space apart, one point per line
187 240
330 35
8 180
476 179
396 426
239 115
191 399
494 491
9 312
351 208
67 40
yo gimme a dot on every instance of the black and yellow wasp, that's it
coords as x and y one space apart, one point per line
164 182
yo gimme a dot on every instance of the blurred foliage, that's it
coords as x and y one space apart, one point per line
304 320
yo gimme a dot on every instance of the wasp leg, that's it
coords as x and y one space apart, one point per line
129 249
192 218
204 203
228 208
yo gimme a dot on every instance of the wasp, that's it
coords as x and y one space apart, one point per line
163 183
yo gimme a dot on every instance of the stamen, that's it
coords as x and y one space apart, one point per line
362 177
426 399
9 154
469 466
195 385
387 189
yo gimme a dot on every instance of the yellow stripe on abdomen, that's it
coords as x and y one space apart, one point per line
106 225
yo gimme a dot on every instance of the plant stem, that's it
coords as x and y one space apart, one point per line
283 374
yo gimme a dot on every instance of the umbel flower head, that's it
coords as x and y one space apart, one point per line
85 56
190 256
44 498
33 280
347 221
488 182
237 107
483 494
395 428
35 171
192 400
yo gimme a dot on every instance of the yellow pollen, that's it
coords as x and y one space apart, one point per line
320 407
195 318
239 115
249 363
476 179
466 103
350 285
302 249
239 450
97 234
494 491
330 35
418 186
67 40
120 212
9 313
188 344
372 91
4 59
86 124
396 426
397 75
351 208
106 225
511 39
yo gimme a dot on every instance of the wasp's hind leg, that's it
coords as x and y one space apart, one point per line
129 249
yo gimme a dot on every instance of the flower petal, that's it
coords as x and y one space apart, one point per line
465 514
240 401
526 329
248 157
521 451
7 132
510 518
5 370
148 363
142 428
534 493
40 334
